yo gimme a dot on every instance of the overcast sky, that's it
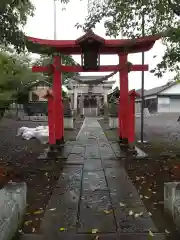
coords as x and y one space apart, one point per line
42 26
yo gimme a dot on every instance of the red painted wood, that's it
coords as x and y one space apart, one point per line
109 47
40 68
90 35
108 68
122 47
51 124
103 50
132 96
57 89
124 116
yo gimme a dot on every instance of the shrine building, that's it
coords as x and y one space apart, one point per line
89 94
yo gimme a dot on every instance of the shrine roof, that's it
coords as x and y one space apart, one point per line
108 46
93 80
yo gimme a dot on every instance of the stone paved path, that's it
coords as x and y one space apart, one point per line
91 191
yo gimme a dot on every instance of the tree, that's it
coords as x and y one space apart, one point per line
15 72
125 17
13 17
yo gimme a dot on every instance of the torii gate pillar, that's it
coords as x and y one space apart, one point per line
58 101
51 125
123 99
58 113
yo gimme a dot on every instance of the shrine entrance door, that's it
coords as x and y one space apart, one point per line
90 106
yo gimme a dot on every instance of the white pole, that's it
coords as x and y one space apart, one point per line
55 35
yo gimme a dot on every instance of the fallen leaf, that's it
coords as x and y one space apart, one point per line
52 209
138 214
131 213
146 197
107 211
94 230
38 212
151 233
62 229
28 222
166 231
122 204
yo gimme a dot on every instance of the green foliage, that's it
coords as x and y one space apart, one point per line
66 60
13 16
15 72
125 17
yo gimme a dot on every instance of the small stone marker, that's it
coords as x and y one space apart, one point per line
172 201
12 208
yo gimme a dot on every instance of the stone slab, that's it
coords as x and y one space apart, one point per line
93 181
79 150
64 201
92 165
117 151
106 151
122 191
75 158
92 213
66 150
111 163
105 236
92 151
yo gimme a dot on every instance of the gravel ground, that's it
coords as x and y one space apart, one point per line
162 128
20 155
149 176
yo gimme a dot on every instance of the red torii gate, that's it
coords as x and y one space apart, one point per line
90 46
132 95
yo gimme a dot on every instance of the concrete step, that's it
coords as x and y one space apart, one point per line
107 236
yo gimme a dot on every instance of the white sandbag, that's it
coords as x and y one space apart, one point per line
21 130
40 132
41 128
27 135
42 136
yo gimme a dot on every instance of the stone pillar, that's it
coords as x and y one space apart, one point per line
72 100
105 105
105 98
81 105
30 96
75 98
98 100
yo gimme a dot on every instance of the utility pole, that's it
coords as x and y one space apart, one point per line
142 84
55 21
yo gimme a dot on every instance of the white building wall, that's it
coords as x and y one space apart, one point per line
163 104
